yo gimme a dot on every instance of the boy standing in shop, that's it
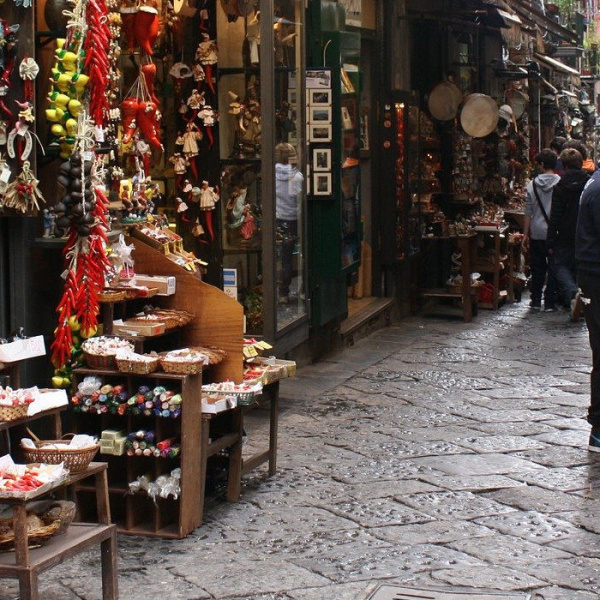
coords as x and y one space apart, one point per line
587 252
535 228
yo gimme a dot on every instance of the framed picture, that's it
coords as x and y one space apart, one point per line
321 159
318 78
319 133
346 118
319 114
293 97
321 184
319 97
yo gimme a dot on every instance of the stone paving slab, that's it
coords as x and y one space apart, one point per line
454 505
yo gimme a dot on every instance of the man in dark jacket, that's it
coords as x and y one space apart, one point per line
587 250
563 222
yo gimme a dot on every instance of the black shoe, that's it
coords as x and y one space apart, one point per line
594 443
535 305
550 308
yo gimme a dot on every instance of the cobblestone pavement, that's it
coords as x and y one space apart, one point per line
433 453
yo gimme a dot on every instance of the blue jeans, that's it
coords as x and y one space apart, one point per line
541 273
590 288
565 269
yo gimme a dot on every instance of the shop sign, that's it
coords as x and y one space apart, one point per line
230 283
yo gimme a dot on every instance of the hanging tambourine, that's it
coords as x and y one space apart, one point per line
444 100
479 115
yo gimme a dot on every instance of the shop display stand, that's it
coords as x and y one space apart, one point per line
26 564
468 293
217 321
499 265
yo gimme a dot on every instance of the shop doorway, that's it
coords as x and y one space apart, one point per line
368 306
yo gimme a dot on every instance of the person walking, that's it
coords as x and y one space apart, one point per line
588 164
587 253
556 145
563 223
535 228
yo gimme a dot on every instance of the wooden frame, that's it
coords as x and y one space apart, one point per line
319 97
322 184
321 159
319 115
319 133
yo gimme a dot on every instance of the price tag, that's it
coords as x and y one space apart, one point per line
99 133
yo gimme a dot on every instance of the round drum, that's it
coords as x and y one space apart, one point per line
518 102
479 116
444 100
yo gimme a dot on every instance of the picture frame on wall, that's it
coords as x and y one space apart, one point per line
321 159
293 97
319 114
318 78
319 133
319 97
321 184
346 119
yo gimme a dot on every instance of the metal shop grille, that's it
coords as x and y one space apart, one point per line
394 592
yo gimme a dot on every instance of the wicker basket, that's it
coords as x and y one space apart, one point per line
76 459
97 361
12 413
110 295
181 367
137 367
35 537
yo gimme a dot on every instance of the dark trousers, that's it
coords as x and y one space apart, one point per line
541 272
590 288
565 268
289 233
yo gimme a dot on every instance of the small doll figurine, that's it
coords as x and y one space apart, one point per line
208 116
180 164
191 137
253 37
195 102
207 56
206 197
182 208
248 226
49 223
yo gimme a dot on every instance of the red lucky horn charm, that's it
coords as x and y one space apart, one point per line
146 26
149 73
129 113
148 122
128 10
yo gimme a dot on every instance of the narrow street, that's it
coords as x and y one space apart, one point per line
434 453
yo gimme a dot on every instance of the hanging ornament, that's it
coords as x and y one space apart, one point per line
23 194
28 70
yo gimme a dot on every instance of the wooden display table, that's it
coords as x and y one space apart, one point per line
497 266
271 395
468 293
26 564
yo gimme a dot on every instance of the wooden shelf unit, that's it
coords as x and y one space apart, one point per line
498 244
26 564
467 297
137 513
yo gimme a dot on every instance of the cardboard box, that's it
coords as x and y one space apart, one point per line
133 327
165 283
22 349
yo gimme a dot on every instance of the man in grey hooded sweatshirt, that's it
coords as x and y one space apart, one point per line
288 192
538 206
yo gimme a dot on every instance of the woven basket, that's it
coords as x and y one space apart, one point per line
76 459
12 413
35 537
96 361
138 367
181 367
108 295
